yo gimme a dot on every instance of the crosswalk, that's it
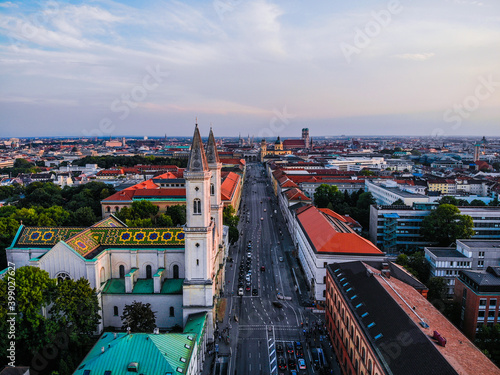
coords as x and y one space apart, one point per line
271 347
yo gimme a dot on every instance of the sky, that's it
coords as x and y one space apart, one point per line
264 68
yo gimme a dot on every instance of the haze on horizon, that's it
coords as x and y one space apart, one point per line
264 68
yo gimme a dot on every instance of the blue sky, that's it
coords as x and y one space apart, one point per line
111 68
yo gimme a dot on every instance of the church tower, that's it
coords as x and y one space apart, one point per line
198 291
215 166
263 149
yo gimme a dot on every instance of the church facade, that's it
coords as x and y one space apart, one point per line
179 271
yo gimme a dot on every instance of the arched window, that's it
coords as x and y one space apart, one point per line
122 271
197 206
117 208
148 272
212 189
172 311
115 310
62 276
108 209
363 354
176 271
370 367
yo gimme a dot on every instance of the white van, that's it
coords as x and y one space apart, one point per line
240 291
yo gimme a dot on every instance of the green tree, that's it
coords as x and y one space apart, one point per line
139 317
34 289
229 216
398 202
8 229
75 309
177 213
164 221
84 217
322 196
445 225
141 209
437 288
367 172
477 203
448 199
234 235
488 340
416 264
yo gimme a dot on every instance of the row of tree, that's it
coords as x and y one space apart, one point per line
109 161
356 204
230 219
144 214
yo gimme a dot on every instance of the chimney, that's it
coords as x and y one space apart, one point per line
386 272
102 349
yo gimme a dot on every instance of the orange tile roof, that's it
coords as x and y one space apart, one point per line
160 193
296 194
328 234
228 186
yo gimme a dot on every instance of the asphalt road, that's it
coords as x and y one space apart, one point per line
261 329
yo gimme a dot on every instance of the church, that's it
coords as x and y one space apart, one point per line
179 271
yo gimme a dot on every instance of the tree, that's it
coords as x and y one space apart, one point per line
234 235
84 217
8 229
34 289
229 216
164 221
488 340
75 309
445 225
139 317
398 202
416 264
447 199
322 196
477 203
177 213
437 288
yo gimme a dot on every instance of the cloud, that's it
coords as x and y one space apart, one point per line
415 56
8 4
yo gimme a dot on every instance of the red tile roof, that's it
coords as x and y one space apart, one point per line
328 234
142 193
296 194
228 186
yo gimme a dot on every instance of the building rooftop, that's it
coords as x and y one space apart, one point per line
446 252
417 308
329 234
481 243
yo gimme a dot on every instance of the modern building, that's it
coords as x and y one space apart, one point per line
478 293
379 323
179 271
396 228
387 192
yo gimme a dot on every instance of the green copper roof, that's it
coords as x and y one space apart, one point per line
172 286
154 354
196 324
143 286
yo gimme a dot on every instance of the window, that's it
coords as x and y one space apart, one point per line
324 279
491 314
108 209
481 254
480 263
324 293
115 310
493 302
480 314
62 276
197 262
122 271
172 311
176 271
482 302
212 189
370 367
197 206
148 272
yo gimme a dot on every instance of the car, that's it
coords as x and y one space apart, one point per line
299 353
279 349
262 219
240 291
302 364
282 363
248 278
291 363
293 372
277 304
298 345
249 273
280 259
289 348
265 209
248 288
262 269
255 292
249 255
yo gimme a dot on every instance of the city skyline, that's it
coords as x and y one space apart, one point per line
108 68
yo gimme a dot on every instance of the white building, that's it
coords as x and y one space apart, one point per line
387 192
